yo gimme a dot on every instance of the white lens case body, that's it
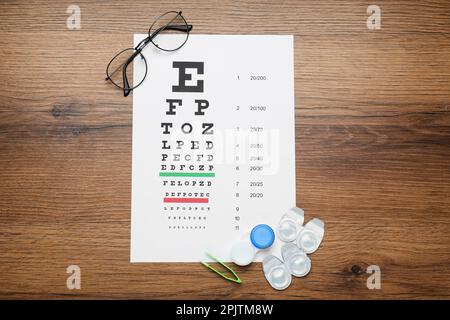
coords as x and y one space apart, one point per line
260 238
243 252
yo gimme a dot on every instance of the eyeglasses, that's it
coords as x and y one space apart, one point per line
119 71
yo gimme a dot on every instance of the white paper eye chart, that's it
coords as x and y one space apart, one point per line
213 145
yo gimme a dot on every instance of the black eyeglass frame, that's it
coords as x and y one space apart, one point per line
141 45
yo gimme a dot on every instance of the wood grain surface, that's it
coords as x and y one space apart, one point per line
372 148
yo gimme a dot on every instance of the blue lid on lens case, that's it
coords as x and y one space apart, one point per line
262 236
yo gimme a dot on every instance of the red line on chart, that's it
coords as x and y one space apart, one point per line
186 200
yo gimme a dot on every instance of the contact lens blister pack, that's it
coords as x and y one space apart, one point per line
300 240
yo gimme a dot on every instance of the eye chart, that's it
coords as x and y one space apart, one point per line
213 145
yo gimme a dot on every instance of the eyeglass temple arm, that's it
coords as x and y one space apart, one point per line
174 27
181 27
126 84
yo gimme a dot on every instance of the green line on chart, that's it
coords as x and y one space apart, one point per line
187 174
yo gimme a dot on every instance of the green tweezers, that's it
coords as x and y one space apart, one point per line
236 277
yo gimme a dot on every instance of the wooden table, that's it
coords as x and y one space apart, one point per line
372 141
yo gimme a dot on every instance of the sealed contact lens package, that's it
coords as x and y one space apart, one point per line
299 242
290 224
296 260
276 272
311 235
